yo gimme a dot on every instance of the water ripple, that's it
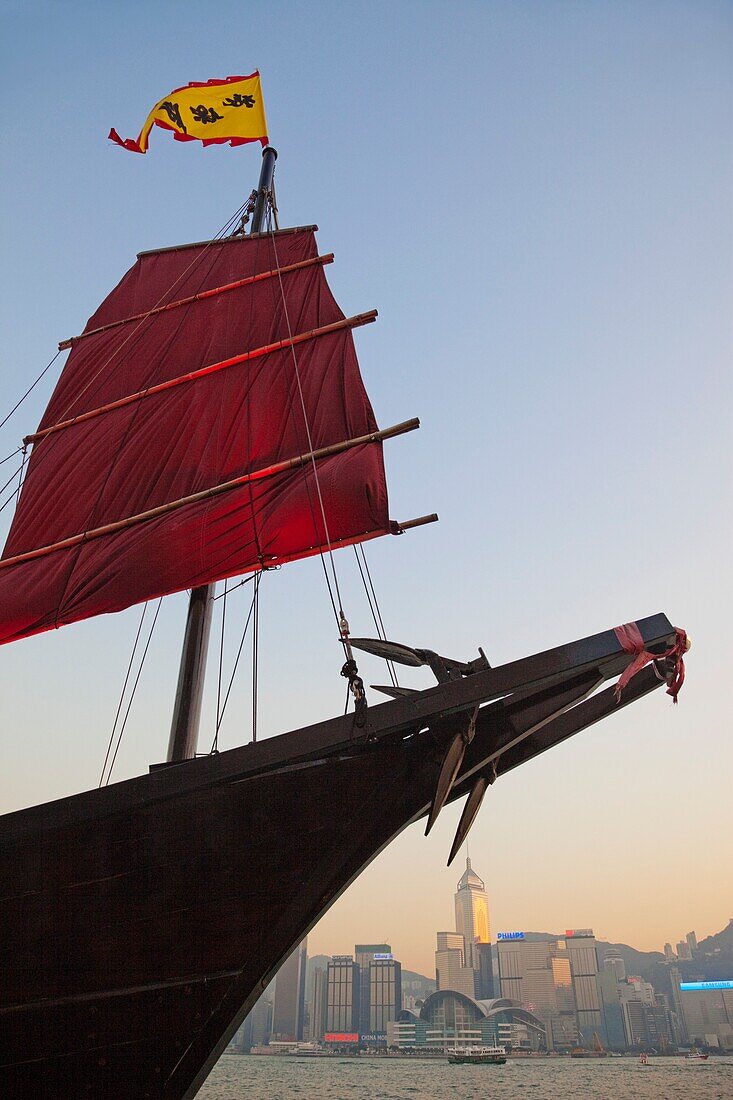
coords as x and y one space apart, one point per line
273 1078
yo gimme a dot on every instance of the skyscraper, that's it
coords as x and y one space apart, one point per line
365 953
385 993
581 946
483 975
288 1009
451 971
472 914
319 1008
342 995
537 973
613 960
609 987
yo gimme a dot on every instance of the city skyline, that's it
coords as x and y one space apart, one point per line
404 952
553 279
566 993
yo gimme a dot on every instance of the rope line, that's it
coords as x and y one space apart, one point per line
8 501
30 389
338 613
215 746
136 330
374 607
247 580
39 457
14 492
11 479
134 689
20 479
122 695
100 493
255 656
11 455
236 664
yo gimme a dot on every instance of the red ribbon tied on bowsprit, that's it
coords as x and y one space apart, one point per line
631 641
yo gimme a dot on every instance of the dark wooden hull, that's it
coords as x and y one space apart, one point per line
140 922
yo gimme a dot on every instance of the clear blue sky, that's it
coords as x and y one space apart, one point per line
537 198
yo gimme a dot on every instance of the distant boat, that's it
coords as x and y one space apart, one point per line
696 1056
596 1051
483 1056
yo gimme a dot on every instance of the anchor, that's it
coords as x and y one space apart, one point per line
470 811
443 668
450 767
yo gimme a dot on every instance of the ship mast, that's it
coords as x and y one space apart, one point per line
189 693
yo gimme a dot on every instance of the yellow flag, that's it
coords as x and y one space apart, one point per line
214 113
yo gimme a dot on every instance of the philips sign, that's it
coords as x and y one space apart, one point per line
510 935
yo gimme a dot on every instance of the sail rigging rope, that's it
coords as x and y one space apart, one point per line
22 468
11 455
39 457
197 259
339 615
141 324
215 746
241 584
371 596
220 717
29 390
134 689
122 695
12 478
128 429
255 657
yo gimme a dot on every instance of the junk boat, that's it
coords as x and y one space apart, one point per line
209 423
596 1051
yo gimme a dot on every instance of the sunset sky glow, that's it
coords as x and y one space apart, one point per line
537 198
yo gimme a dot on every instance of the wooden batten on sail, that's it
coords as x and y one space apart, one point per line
212 368
226 486
276 272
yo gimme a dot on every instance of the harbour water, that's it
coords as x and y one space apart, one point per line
272 1078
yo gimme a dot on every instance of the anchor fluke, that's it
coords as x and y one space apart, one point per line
443 668
450 767
390 651
470 810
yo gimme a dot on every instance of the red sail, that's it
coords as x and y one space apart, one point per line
157 449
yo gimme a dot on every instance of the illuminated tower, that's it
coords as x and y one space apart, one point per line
472 914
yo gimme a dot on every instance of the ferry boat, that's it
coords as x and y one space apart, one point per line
490 1056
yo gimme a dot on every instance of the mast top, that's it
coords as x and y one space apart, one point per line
264 188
